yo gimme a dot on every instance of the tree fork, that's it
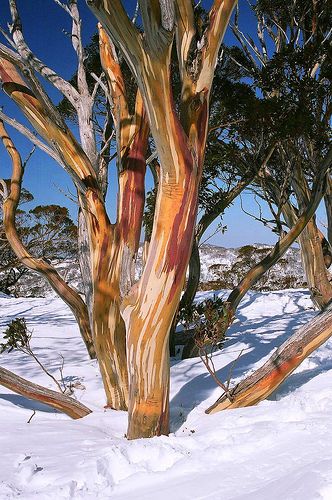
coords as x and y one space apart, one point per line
149 308
100 230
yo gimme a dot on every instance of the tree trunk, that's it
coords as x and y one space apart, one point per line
36 392
314 265
193 278
149 310
187 299
84 262
312 244
315 256
328 208
281 364
107 325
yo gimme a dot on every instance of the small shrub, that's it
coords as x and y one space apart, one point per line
209 321
16 336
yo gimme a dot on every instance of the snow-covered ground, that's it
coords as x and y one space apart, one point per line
280 449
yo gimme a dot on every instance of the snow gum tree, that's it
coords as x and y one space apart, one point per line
129 323
149 307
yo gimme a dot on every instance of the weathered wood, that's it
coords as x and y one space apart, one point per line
281 364
61 402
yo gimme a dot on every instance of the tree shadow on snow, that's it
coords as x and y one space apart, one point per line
27 404
260 338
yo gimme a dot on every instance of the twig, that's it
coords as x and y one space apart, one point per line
25 162
219 227
204 357
232 368
31 417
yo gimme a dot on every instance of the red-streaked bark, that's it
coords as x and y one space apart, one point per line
109 343
150 306
149 310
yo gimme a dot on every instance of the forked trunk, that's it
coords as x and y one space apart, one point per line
282 363
149 308
106 241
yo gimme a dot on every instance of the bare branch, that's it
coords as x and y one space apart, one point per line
31 136
185 33
77 43
61 139
7 37
219 16
63 6
31 60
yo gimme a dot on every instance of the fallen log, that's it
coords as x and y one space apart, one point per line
261 383
36 392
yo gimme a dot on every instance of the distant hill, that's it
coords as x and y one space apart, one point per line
225 267
220 268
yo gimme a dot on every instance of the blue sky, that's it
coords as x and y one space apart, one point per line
45 25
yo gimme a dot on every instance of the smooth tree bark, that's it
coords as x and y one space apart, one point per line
109 244
149 307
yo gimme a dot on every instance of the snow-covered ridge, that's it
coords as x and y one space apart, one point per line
220 268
